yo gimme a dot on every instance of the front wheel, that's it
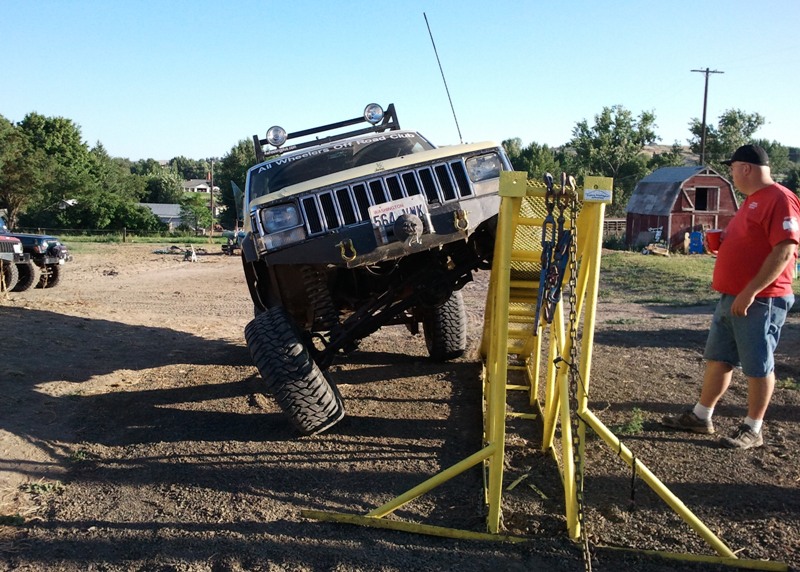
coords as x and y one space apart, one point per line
301 389
10 275
50 277
445 329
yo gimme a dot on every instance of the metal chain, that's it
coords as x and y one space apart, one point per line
557 269
575 374
548 244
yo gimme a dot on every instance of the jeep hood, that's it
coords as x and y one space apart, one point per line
363 171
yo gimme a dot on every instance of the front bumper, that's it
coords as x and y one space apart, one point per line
357 245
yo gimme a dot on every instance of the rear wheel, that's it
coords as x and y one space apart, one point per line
28 276
301 389
10 275
445 329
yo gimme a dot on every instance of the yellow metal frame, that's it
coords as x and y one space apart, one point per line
512 341
509 304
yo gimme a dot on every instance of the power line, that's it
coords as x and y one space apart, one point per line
707 72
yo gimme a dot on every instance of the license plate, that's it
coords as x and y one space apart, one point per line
384 216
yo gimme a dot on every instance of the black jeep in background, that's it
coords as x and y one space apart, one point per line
44 266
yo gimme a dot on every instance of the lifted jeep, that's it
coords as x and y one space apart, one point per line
350 232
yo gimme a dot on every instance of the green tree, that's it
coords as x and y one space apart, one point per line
190 168
113 176
233 168
534 159
778 155
792 179
612 147
58 137
147 167
734 129
136 218
23 171
164 186
672 158
195 211
66 175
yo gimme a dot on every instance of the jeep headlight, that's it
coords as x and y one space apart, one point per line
484 167
484 172
373 113
281 217
276 136
18 247
282 224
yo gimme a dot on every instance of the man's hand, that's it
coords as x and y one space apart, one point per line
741 303
781 254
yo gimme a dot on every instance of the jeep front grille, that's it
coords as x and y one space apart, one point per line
6 246
342 206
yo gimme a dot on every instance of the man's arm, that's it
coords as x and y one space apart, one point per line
773 265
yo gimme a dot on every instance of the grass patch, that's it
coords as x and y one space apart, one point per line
678 280
79 456
42 488
673 281
633 426
788 383
131 239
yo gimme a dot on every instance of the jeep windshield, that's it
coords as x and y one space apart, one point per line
294 168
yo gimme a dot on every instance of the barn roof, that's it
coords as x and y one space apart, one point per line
657 192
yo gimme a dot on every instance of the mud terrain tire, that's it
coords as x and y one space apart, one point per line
445 329
28 276
302 391
10 275
51 276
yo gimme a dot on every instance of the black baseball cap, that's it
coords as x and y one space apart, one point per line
749 154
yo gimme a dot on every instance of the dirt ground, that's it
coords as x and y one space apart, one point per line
134 437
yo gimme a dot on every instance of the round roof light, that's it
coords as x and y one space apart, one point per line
373 113
276 136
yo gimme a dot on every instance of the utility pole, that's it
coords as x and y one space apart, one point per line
705 103
211 176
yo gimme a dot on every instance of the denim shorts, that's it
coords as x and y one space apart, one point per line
748 340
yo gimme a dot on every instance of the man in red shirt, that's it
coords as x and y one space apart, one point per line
753 274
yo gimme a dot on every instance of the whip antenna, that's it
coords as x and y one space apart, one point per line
460 139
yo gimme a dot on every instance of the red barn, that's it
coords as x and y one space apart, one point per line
672 201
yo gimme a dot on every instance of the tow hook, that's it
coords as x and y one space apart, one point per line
344 247
460 220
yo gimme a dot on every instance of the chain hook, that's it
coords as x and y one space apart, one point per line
460 220
344 246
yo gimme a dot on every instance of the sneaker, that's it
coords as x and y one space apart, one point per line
688 421
743 438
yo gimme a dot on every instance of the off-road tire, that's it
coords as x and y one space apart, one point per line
28 276
445 329
311 401
51 276
10 275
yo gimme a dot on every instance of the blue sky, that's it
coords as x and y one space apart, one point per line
159 79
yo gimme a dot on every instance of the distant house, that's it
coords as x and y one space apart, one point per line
672 201
198 186
169 214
